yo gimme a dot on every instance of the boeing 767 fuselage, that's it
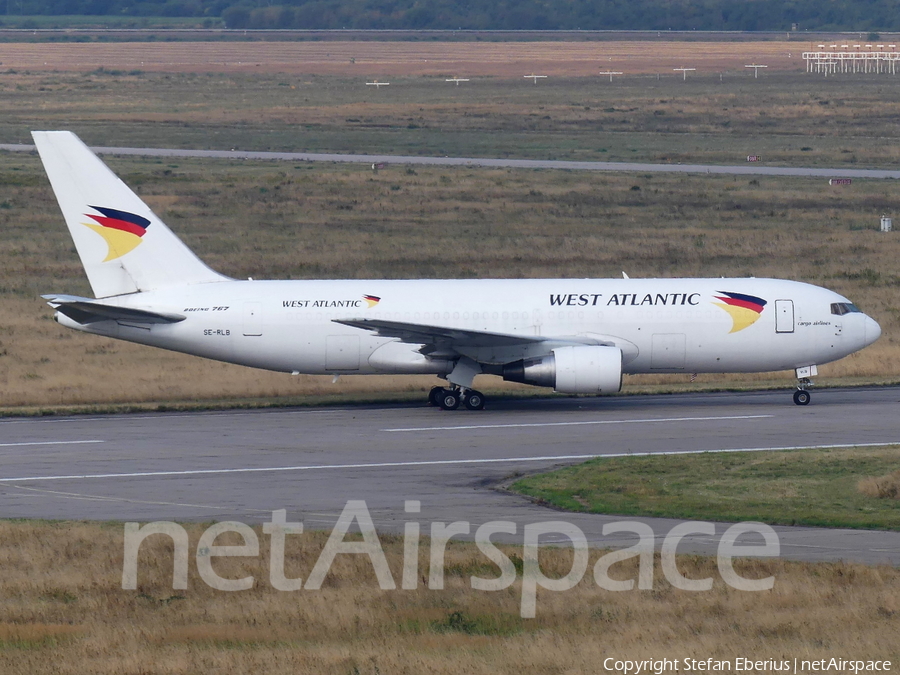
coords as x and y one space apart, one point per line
574 335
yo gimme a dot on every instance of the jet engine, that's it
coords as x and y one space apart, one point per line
571 370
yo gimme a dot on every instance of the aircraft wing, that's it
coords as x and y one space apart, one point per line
440 339
86 310
483 346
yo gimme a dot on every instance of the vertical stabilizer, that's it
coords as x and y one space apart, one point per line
123 245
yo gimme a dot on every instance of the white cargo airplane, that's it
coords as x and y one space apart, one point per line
576 335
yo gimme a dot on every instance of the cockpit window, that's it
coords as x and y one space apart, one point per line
841 308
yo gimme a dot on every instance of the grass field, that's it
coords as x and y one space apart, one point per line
786 118
317 221
322 221
802 487
63 611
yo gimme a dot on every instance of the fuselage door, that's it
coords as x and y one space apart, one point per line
784 316
667 351
253 318
342 352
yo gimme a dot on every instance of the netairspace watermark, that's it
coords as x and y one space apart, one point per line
794 666
356 513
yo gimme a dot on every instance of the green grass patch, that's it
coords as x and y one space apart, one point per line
797 487
465 623
460 622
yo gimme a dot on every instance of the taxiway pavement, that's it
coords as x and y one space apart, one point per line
242 465
741 169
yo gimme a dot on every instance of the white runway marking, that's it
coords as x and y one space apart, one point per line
41 492
19 445
164 416
584 423
439 462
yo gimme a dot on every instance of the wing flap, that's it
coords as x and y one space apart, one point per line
86 311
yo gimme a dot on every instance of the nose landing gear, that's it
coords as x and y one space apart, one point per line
801 396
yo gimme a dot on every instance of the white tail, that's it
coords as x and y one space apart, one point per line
123 245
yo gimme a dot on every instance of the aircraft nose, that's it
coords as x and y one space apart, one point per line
873 330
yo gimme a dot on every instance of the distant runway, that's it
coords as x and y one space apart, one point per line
747 170
242 465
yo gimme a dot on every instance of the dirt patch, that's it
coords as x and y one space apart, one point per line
366 59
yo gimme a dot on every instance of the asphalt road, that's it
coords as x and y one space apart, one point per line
242 465
749 169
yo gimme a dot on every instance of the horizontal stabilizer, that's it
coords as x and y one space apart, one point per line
86 310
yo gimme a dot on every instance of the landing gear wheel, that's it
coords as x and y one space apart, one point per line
801 397
449 400
434 396
474 400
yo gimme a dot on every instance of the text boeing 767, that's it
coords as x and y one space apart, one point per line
575 335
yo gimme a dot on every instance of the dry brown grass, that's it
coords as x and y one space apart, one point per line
506 59
788 118
345 222
320 221
882 487
63 611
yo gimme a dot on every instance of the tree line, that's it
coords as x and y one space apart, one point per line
661 15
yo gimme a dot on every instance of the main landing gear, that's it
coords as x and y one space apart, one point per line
449 399
460 378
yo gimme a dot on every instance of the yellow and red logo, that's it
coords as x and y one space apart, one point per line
372 300
744 309
122 231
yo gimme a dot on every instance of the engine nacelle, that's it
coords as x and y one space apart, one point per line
571 370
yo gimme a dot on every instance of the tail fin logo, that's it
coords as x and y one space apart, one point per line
371 300
121 230
745 310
